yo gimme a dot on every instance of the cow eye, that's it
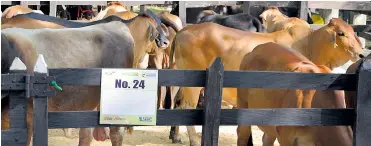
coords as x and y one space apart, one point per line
341 33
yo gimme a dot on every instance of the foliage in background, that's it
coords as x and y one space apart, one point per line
153 8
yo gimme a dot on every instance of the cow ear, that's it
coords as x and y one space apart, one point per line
332 22
152 33
164 28
333 38
261 15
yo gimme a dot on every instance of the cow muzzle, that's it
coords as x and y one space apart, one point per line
355 58
162 43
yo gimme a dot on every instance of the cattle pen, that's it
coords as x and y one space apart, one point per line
20 86
214 78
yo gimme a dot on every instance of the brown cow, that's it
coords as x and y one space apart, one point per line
274 57
106 45
274 20
332 46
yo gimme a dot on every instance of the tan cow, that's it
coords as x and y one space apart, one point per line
274 57
196 45
123 15
160 59
112 7
274 20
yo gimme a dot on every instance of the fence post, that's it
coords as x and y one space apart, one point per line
183 12
213 100
17 134
246 7
303 11
362 130
40 106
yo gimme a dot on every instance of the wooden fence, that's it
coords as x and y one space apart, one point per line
214 78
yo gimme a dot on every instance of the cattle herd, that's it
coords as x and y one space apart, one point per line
117 38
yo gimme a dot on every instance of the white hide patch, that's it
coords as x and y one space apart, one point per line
144 63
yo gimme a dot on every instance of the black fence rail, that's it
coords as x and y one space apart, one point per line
21 85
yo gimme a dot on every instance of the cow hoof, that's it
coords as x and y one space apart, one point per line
176 139
68 133
194 143
69 136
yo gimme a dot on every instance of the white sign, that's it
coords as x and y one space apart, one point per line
128 96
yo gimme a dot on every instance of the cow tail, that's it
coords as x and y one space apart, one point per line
129 129
172 52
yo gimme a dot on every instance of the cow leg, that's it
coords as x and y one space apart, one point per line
101 133
174 93
161 97
68 132
268 140
85 136
116 135
174 131
174 134
243 135
192 136
189 101
168 101
201 99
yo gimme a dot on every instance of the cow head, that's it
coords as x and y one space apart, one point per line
342 37
150 36
160 33
268 16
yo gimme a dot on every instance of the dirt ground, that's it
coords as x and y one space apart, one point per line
154 136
